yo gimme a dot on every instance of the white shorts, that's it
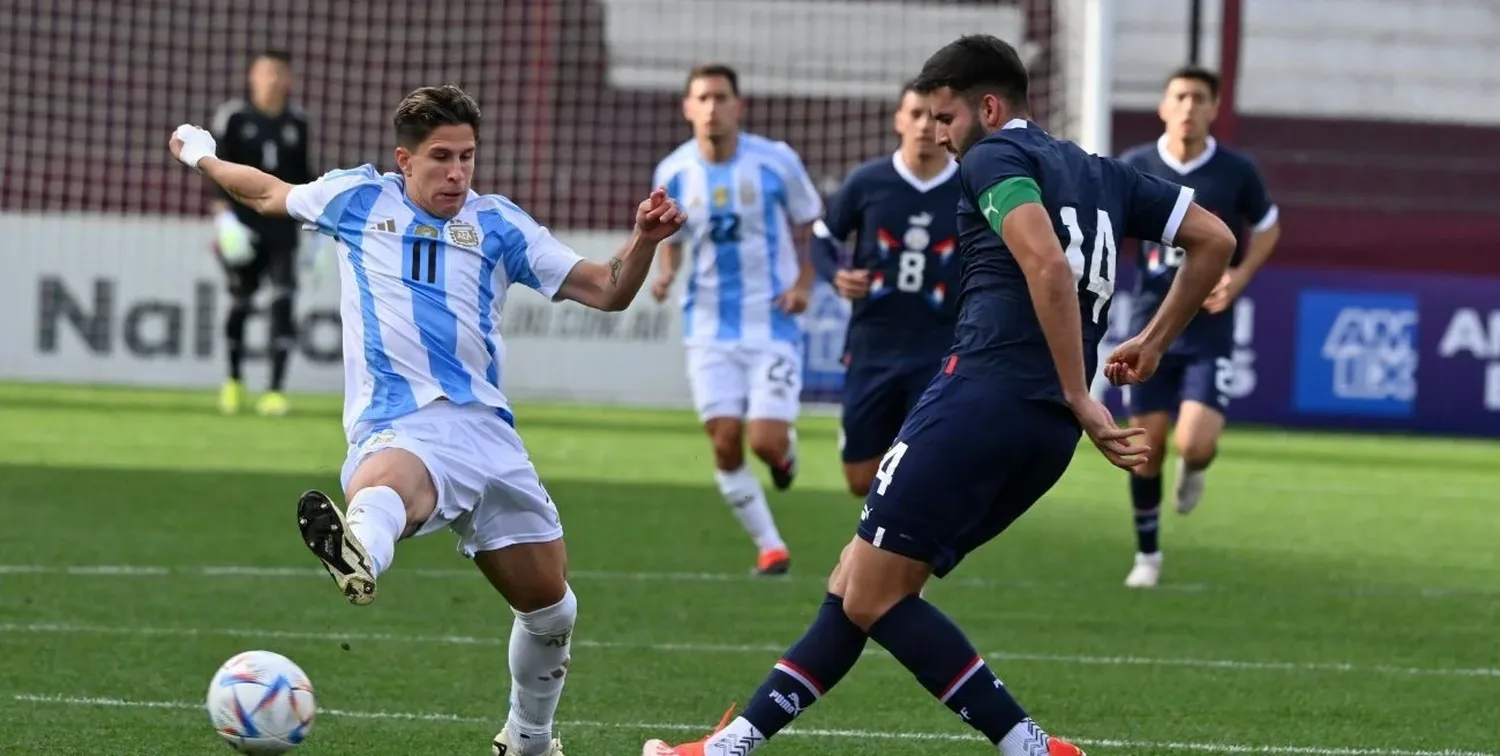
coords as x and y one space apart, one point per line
754 382
487 490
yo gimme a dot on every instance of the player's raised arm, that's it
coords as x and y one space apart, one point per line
1162 211
253 188
612 286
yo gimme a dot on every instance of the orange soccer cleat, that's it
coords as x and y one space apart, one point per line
773 562
656 747
1059 747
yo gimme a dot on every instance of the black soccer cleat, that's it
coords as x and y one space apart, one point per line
327 536
783 474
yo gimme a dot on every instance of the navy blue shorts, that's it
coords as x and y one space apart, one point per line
967 462
1180 379
877 399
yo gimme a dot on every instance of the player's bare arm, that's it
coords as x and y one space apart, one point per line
1236 279
251 187
670 256
1208 245
795 299
1029 235
1031 239
611 286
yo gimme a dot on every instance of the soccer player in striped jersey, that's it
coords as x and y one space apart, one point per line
750 207
425 263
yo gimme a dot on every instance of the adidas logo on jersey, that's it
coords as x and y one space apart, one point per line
388 225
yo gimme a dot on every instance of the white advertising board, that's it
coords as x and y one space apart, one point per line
120 300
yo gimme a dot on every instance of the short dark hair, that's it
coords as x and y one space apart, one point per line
427 108
976 61
709 70
1197 73
280 56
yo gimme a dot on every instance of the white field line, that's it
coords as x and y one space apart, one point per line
253 571
647 728
730 648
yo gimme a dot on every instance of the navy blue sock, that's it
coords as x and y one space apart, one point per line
1145 498
928 644
810 668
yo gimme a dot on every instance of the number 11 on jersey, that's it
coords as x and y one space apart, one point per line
1099 266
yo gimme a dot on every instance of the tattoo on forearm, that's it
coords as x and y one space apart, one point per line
614 270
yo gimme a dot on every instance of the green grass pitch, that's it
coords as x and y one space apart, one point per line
1334 595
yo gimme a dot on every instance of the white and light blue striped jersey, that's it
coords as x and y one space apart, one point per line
421 297
738 238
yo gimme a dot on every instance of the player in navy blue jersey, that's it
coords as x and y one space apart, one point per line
901 272
1038 221
1195 373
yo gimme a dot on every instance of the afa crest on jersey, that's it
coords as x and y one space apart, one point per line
463 234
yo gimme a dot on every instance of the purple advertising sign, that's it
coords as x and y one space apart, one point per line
1334 349
1367 351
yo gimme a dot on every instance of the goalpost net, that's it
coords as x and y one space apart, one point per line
580 98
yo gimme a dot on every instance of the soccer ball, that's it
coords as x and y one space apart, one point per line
261 703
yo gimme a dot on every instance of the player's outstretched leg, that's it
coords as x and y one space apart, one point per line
328 537
531 577
391 493
809 669
915 632
882 596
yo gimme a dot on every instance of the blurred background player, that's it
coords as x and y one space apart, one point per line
1195 372
750 205
902 277
268 133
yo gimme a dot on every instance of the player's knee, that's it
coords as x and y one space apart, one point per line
1197 453
865 607
553 620
859 484
768 447
729 452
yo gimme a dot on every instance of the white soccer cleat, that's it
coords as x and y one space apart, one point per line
1146 573
507 744
1189 488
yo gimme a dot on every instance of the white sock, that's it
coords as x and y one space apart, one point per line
1025 739
740 737
376 517
743 493
539 646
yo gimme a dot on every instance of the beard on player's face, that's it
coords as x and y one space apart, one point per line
964 136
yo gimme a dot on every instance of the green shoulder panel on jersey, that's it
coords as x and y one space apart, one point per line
998 200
